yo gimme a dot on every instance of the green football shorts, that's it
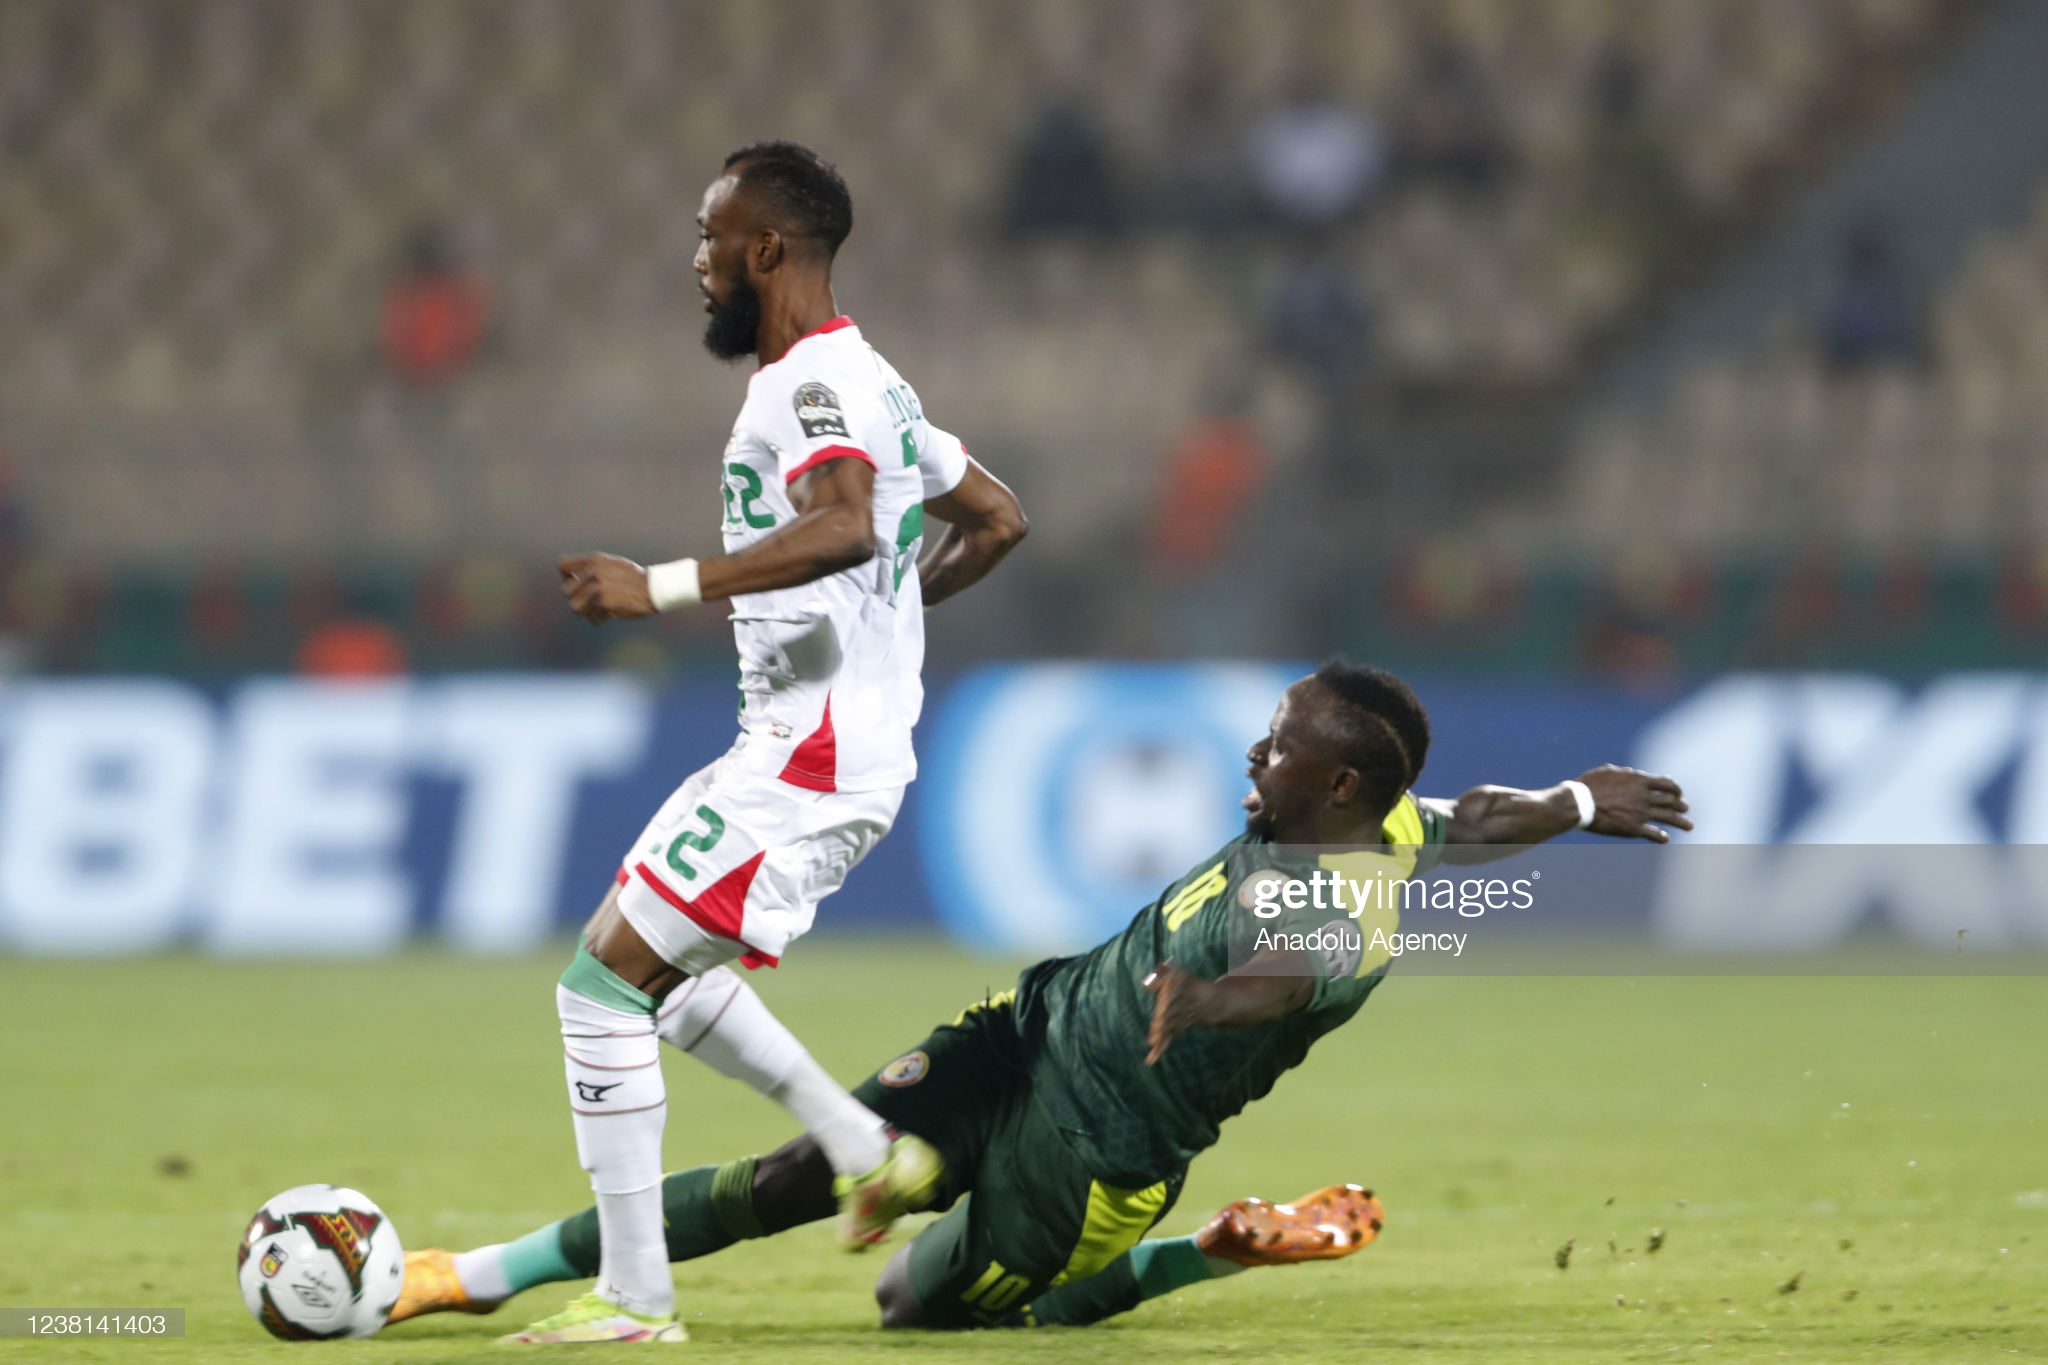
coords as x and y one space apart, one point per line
1022 1213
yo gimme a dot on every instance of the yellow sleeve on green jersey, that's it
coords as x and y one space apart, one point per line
1415 829
1413 835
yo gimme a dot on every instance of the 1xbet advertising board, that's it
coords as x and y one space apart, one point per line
288 816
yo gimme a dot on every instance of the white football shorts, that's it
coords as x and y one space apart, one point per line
734 864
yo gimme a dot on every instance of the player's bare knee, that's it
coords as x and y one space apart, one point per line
611 938
892 1293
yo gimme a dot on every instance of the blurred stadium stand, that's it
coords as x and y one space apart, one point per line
323 326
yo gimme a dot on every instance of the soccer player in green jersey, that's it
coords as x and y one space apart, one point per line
1067 1109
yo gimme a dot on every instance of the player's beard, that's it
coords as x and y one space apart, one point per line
735 325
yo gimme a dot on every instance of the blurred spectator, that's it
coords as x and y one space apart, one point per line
1211 478
1447 129
435 312
352 648
1318 318
1316 160
477 595
1635 204
1804 605
1628 652
1448 583
1202 184
1650 595
1063 181
436 316
1867 315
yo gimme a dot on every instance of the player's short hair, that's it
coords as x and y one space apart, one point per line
804 191
1385 727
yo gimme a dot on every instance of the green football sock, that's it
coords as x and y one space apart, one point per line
1146 1271
1168 1264
537 1258
704 1209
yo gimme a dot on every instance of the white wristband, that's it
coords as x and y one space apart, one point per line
673 584
1583 795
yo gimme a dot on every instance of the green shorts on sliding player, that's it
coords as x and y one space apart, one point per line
1030 1234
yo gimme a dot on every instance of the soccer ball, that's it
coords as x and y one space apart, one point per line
319 1262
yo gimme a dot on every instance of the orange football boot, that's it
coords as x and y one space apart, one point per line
431 1286
1323 1226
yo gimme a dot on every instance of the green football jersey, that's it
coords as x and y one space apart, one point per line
1088 1016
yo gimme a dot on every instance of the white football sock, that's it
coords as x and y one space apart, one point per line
481 1272
634 1271
718 1019
619 1104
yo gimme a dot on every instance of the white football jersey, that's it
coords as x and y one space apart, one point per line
830 672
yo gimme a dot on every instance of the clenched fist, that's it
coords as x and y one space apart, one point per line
600 587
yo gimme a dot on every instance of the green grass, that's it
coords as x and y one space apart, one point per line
1879 1139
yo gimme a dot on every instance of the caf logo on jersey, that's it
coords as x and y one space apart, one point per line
908 1069
1253 890
1343 949
818 412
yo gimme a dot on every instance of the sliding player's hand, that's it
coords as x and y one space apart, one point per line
600 587
1631 804
1274 984
1178 1000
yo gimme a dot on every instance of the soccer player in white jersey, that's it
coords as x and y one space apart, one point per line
825 485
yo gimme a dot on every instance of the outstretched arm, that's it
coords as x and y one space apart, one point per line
833 530
1485 823
1491 822
983 521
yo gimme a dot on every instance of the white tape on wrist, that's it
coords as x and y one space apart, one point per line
1583 795
673 584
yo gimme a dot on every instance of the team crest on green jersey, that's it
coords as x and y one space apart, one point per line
908 1069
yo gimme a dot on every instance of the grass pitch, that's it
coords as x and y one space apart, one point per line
1842 1168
